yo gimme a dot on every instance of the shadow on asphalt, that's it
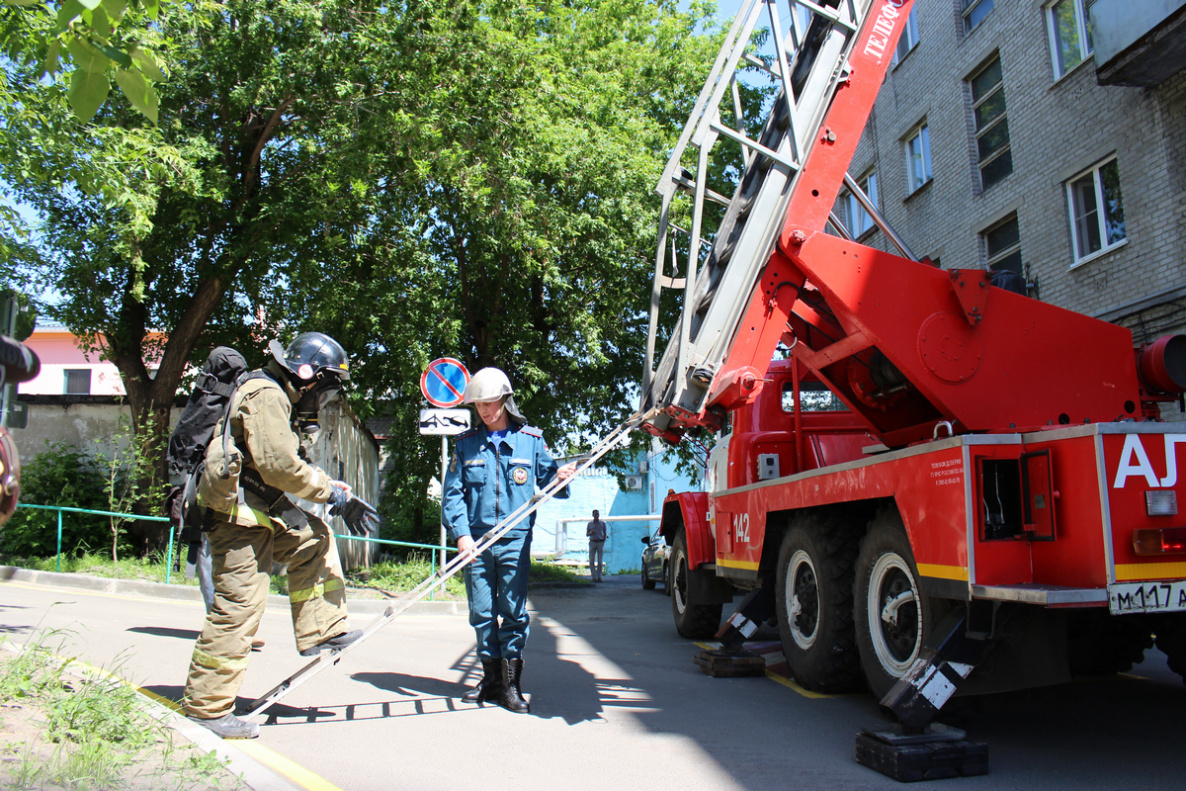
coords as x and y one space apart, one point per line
164 631
1117 731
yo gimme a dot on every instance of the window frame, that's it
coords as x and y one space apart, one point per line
982 162
75 373
922 133
969 10
849 203
1096 173
1082 36
909 37
993 261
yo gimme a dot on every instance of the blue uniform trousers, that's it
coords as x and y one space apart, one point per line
496 585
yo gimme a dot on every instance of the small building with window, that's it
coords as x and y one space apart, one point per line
1046 138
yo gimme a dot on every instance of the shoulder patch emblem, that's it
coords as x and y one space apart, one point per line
519 475
453 463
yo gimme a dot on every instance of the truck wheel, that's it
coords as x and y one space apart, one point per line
813 599
692 620
648 584
894 619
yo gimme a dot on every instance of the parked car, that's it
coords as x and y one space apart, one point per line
654 560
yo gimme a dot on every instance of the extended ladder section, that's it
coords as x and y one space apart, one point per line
807 65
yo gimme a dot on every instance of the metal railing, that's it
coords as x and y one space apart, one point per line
169 552
61 508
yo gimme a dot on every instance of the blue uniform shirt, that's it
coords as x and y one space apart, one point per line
489 479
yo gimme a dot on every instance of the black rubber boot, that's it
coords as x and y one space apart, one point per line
489 687
511 698
335 643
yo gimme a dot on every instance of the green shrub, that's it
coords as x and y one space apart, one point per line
59 475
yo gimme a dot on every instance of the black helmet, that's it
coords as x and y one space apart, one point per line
311 354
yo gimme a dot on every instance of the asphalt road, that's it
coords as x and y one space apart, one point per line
617 702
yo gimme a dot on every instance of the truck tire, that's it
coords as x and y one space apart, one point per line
813 599
693 620
894 618
1099 644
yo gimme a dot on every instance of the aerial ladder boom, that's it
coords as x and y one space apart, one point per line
808 65
906 345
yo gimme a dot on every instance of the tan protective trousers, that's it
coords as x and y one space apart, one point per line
242 555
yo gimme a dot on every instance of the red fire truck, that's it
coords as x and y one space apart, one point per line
928 481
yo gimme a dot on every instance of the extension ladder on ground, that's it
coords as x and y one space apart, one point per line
401 605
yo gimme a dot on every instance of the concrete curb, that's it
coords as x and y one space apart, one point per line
158 590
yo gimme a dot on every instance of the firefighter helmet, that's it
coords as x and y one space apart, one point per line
488 384
312 353
491 384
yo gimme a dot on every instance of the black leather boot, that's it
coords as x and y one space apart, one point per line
489 687
511 698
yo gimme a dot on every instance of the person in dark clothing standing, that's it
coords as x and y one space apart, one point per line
596 534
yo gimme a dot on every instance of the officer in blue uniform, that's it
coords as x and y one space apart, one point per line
494 470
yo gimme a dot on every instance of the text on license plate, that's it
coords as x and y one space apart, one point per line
1132 597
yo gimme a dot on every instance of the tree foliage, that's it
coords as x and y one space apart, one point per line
419 179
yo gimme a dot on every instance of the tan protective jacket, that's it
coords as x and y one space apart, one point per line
260 421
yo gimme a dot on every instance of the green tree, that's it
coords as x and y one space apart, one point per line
420 178
251 167
516 216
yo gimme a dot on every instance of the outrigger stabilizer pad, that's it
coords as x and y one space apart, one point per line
731 664
934 753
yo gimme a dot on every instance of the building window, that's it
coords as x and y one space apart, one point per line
78 381
908 39
1003 242
1097 210
918 159
854 216
974 13
1070 34
992 127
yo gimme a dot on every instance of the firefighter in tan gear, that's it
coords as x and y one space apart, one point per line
249 471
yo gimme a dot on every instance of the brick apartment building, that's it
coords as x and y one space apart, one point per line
1044 137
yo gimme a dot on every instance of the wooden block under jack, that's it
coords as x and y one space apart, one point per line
941 752
721 664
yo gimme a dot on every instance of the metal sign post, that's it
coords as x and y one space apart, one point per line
446 422
443 385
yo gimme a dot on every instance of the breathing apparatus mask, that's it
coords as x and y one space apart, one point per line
308 408
319 367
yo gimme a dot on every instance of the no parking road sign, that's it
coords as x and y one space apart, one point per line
443 382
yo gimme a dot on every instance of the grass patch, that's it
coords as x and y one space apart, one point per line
66 727
546 572
151 569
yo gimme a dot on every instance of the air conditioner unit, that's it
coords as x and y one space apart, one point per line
633 481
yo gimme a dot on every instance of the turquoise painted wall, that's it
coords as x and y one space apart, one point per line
597 489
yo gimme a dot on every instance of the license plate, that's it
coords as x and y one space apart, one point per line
1133 597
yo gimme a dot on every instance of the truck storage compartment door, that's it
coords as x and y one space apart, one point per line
1039 495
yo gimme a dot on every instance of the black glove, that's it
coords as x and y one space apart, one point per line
360 516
